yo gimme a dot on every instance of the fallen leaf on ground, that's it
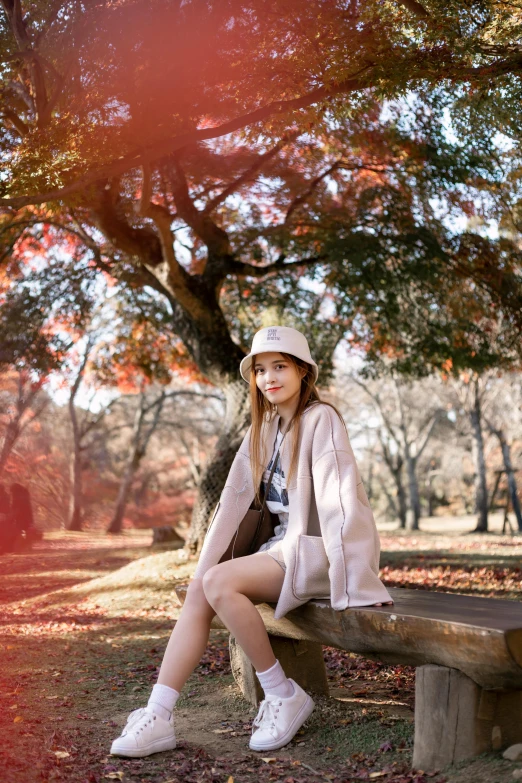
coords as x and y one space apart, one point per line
61 754
18 719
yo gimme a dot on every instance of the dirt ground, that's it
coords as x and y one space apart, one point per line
84 622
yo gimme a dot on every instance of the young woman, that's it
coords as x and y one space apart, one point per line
325 545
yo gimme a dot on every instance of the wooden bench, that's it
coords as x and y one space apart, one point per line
468 689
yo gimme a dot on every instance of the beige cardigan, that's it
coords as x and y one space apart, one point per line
326 498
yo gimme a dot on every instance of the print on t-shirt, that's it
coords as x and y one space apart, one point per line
277 498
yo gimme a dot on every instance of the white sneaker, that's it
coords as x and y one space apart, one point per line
133 717
145 733
278 719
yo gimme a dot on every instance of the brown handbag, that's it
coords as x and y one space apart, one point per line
256 527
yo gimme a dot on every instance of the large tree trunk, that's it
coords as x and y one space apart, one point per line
215 472
481 490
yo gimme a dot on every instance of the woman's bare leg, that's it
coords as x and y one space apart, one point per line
151 729
188 639
232 587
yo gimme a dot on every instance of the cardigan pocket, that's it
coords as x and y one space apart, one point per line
311 579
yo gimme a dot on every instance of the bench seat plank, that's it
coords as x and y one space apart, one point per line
482 637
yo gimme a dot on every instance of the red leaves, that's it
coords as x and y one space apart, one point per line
215 659
458 579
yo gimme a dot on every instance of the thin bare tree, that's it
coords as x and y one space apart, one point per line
25 407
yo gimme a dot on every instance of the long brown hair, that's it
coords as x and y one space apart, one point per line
262 410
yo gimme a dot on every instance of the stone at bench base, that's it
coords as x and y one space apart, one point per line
301 660
456 719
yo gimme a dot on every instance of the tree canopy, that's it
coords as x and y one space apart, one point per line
91 91
354 166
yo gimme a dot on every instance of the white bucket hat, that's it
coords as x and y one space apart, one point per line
282 339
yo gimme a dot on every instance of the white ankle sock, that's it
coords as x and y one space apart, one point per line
275 681
163 700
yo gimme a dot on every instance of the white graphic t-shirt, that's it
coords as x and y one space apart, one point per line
277 499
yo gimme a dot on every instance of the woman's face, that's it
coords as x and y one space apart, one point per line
276 378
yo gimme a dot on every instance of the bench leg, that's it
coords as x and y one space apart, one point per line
456 719
302 661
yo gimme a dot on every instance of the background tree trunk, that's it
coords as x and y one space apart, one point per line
395 463
413 488
510 473
75 510
124 491
27 394
75 514
140 440
12 433
481 489
511 479
401 506
401 498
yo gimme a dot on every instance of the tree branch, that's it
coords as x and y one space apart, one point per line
178 277
49 21
249 173
241 269
92 423
31 55
428 436
81 369
16 121
377 400
13 12
206 229
298 200
171 145
35 414
142 242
